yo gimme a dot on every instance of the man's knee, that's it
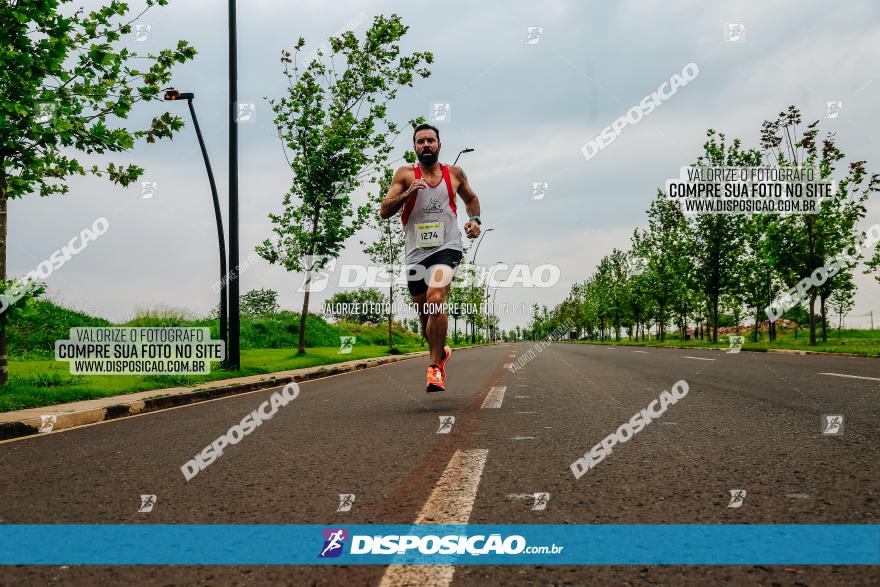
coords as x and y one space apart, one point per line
436 298
441 276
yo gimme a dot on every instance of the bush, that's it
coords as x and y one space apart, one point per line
36 334
159 316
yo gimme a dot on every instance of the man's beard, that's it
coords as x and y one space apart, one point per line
428 159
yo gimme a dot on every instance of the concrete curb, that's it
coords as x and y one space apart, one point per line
699 348
32 421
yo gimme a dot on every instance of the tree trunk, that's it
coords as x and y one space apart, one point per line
771 324
715 298
757 319
301 348
812 319
4 360
661 325
823 310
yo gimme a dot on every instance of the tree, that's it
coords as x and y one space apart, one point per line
389 247
457 299
359 305
258 302
800 244
64 84
335 133
842 300
757 278
664 245
719 245
469 296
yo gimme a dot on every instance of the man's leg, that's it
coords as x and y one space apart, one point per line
437 323
419 301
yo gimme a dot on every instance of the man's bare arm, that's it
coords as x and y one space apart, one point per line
471 202
398 194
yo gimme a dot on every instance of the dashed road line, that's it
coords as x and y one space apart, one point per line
450 502
851 376
698 358
494 397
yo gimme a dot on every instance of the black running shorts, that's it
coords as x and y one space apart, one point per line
417 279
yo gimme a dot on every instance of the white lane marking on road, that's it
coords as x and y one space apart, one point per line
523 438
797 495
698 358
494 397
645 352
522 396
450 502
851 376
452 498
527 412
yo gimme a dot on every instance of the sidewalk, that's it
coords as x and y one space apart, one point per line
31 421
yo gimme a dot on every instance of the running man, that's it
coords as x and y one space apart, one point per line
426 192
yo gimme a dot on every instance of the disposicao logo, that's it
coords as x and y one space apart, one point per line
334 540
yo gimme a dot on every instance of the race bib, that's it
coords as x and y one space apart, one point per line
429 235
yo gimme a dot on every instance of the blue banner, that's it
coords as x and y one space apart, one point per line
517 544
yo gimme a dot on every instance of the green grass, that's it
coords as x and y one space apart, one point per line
34 383
860 342
268 344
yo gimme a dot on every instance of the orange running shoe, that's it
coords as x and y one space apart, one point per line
435 379
447 352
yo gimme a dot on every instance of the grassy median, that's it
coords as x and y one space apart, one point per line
858 342
268 345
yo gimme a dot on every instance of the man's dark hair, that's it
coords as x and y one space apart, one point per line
425 126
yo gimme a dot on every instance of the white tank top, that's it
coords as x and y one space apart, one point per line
430 218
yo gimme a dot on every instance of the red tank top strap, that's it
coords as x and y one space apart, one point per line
411 203
448 181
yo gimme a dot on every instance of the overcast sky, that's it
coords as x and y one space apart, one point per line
526 109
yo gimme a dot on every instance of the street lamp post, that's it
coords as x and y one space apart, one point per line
171 95
233 358
488 326
494 297
468 150
474 262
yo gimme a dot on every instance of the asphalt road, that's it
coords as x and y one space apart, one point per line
750 421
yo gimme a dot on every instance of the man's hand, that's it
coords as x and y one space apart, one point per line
472 229
399 193
417 185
